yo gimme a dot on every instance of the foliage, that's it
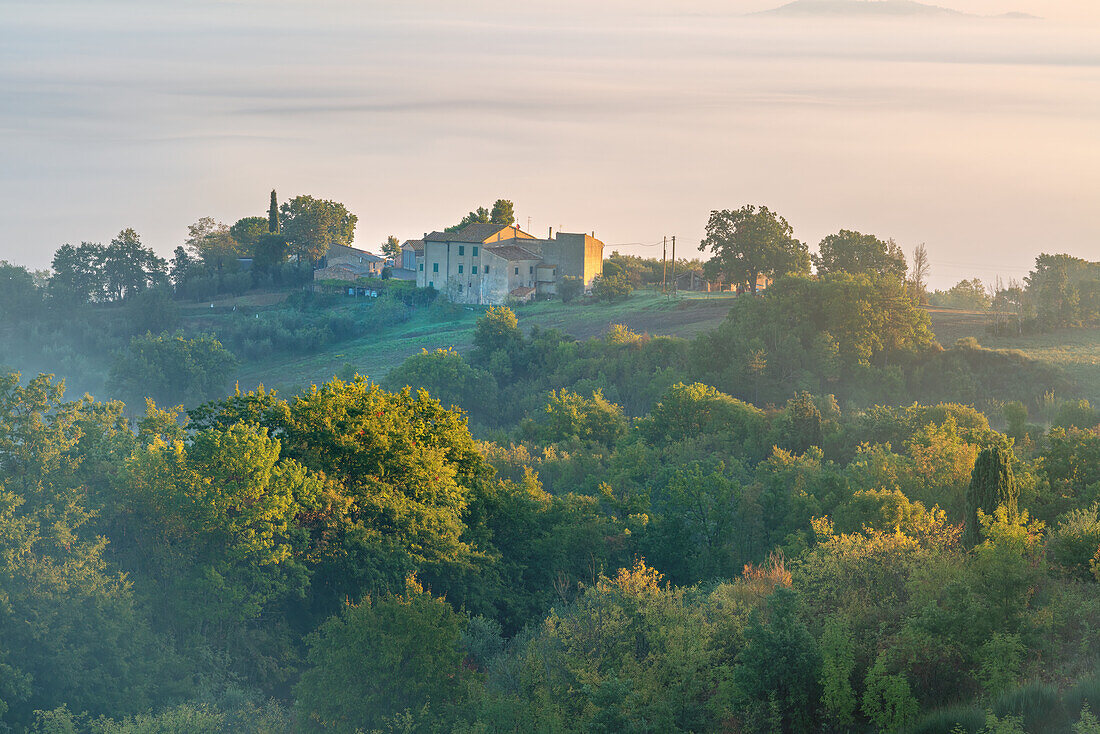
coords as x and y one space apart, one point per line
172 369
611 288
853 252
391 248
838 331
71 629
966 294
311 225
94 273
837 664
570 417
750 242
1063 291
779 664
447 376
248 232
213 243
992 485
502 212
180 574
888 701
570 287
382 657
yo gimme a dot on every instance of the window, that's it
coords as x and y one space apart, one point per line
530 269
474 269
486 270
422 267
461 250
431 284
435 267
475 250
517 271
460 269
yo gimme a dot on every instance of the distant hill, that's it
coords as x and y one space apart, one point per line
872 9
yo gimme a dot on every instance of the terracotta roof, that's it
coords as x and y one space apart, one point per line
470 233
513 252
521 291
415 245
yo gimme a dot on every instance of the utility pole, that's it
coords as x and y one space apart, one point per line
664 264
673 266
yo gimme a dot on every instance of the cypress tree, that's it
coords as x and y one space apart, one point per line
992 483
273 214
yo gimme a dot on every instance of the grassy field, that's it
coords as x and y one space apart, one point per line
376 354
1076 351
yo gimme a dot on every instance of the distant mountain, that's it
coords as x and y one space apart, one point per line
872 9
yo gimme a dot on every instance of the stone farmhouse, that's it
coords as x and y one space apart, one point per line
490 263
349 263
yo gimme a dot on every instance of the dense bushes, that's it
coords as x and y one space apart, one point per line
267 546
172 369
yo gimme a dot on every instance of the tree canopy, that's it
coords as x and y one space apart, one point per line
753 241
853 252
312 225
501 213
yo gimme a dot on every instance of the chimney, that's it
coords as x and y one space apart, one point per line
550 234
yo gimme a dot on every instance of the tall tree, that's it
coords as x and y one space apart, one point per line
273 214
77 274
854 252
918 279
992 484
217 515
312 225
480 216
183 267
19 296
779 667
129 267
271 251
383 657
502 212
247 232
212 241
392 248
68 620
753 241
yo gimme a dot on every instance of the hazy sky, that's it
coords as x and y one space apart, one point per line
980 138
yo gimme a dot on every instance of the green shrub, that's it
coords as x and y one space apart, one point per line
1075 541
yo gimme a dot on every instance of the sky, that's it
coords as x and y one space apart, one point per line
979 137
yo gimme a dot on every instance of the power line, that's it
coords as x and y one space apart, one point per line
632 244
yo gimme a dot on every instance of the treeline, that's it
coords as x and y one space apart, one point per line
109 317
1061 292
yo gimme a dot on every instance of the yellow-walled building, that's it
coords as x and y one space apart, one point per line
488 263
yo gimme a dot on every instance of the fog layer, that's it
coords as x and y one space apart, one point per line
976 136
